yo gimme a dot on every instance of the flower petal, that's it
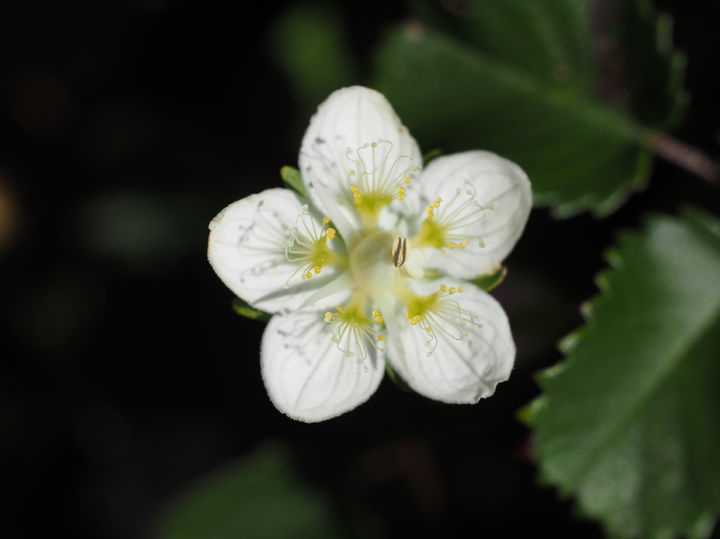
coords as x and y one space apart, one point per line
307 376
459 361
492 181
346 121
246 248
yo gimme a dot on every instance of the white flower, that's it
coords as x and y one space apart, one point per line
374 267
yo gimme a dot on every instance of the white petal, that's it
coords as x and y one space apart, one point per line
348 119
451 369
495 182
307 376
246 248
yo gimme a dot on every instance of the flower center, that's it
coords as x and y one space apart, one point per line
447 225
378 177
371 264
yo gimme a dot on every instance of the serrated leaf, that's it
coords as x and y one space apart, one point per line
492 279
527 413
523 79
243 308
261 496
293 179
568 342
630 423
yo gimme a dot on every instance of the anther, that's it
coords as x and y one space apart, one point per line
399 251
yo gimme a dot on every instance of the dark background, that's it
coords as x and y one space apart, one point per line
124 374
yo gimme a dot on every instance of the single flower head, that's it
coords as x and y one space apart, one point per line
375 266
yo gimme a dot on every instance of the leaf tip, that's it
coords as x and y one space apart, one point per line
528 413
491 280
293 179
243 308
568 343
545 375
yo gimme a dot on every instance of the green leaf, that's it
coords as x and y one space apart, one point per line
310 46
525 79
629 421
243 308
396 379
430 155
490 280
259 497
292 178
654 71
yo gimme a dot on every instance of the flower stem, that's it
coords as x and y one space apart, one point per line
686 156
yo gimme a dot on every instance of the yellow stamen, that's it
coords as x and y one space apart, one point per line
352 330
308 248
453 225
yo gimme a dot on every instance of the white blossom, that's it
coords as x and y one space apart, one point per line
375 266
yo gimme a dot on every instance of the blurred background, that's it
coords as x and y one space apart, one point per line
131 403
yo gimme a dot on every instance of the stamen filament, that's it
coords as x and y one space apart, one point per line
353 330
377 185
435 314
307 246
450 225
